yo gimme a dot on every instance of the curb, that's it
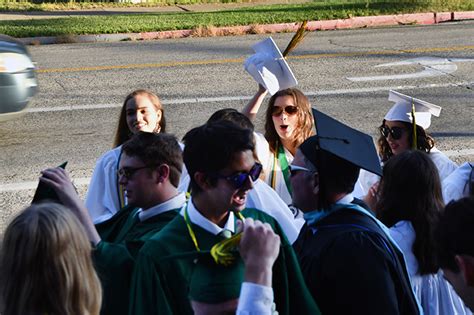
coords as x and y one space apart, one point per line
356 22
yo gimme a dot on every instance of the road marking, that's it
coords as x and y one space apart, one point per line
240 60
432 67
184 101
84 181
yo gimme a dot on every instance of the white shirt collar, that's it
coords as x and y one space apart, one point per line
346 199
173 203
197 218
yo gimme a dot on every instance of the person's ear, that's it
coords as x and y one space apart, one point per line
159 114
202 180
163 172
466 265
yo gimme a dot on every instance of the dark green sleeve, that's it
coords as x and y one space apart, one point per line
291 294
147 294
114 264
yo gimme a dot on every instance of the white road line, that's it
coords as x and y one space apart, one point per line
246 97
84 181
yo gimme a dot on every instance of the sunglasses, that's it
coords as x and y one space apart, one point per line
128 172
395 132
295 168
289 110
238 180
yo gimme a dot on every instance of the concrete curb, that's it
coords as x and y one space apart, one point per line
356 22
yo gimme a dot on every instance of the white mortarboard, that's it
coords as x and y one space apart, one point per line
268 67
401 111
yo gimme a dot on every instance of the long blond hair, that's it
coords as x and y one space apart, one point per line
46 265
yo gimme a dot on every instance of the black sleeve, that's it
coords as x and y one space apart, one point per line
354 276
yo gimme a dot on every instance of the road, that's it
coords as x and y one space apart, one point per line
345 73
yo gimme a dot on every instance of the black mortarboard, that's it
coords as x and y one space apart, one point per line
343 141
44 192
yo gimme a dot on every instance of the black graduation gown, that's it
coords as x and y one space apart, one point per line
351 267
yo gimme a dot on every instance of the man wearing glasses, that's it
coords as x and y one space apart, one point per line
149 170
349 261
177 271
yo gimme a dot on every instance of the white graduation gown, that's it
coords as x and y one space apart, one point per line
435 294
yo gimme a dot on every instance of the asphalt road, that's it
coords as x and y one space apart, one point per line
346 74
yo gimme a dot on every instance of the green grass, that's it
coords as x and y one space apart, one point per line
133 23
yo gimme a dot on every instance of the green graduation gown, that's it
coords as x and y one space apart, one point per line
114 256
169 270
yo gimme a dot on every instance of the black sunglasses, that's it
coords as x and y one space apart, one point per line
128 172
395 132
238 180
289 110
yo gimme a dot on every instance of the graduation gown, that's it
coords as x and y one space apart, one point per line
350 266
114 256
169 271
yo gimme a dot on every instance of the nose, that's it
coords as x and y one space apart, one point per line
122 180
248 183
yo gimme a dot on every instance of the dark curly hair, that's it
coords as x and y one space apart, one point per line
424 141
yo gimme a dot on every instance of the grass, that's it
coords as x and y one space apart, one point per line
267 14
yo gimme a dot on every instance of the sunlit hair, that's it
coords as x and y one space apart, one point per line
305 118
123 133
46 265
410 190
425 142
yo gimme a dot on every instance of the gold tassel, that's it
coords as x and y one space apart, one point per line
297 38
414 142
221 252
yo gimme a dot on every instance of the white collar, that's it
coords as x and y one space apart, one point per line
197 218
173 203
346 199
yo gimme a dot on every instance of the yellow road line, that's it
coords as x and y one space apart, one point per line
240 60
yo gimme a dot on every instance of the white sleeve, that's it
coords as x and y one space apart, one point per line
255 299
102 199
264 198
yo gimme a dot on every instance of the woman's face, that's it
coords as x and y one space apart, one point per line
285 118
142 114
397 145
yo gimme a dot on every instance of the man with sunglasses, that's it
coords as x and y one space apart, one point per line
175 271
149 170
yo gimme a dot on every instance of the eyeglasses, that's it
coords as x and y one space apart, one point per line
395 132
296 168
289 110
238 180
128 172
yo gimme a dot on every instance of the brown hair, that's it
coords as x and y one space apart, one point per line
424 141
305 118
46 265
410 190
123 133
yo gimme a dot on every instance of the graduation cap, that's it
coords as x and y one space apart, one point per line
342 141
268 67
402 110
44 192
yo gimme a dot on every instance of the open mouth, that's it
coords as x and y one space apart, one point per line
240 199
284 127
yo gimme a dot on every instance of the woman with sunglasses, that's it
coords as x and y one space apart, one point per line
409 204
288 122
398 133
141 111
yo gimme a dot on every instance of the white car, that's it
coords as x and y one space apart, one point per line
18 83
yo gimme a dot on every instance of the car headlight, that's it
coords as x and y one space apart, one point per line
12 62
